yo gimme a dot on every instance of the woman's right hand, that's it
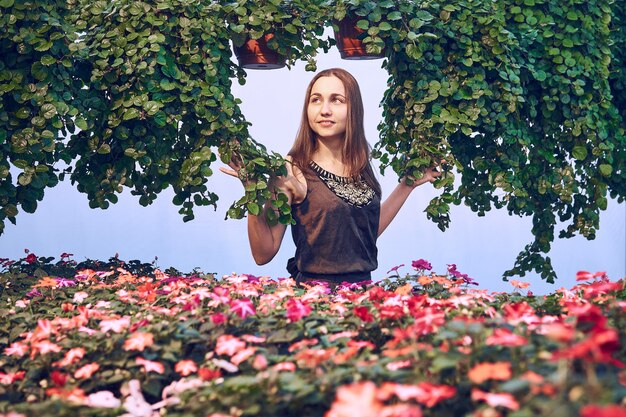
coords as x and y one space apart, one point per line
293 184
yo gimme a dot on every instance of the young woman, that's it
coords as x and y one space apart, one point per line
331 186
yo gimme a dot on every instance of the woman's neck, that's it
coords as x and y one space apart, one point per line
329 155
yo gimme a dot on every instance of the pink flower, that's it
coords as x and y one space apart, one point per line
253 339
519 284
150 366
421 264
243 307
115 325
102 399
138 341
228 345
7 379
16 349
71 356
504 337
285 366
186 367
395 268
64 282
80 296
296 309
394 366
401 410
44 347
260 362
424 392
496 400
86 371
357 399
242 355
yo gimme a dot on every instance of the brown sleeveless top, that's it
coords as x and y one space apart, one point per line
336 228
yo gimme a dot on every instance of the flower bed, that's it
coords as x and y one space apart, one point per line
115 338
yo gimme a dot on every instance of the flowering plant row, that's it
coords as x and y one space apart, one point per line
126 338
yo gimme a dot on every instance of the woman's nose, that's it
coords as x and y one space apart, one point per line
326 108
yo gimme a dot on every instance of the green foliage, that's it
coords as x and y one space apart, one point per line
517 97
526 101
36 109
158 100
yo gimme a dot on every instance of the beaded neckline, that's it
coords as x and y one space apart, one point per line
354 192
321 171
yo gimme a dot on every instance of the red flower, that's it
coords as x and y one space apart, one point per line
587 276
598 347
296 309
611 410
218 318
31 258
363 313
58 378
207 374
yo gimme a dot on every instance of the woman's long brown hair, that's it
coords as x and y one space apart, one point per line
356 150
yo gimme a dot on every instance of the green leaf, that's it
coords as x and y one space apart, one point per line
606 169
363 24
6 3
131 113
151 107
48 60
81 123
48 110
579 152
253 208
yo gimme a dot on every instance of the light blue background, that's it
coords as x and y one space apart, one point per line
482 247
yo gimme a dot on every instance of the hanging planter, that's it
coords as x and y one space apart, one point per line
348 38
255 54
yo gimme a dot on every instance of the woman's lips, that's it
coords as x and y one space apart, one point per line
326 123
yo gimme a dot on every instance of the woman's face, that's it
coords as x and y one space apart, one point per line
328 108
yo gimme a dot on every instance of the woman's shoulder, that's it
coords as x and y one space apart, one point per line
297 170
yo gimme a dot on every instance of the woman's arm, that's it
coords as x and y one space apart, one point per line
265 239
392 205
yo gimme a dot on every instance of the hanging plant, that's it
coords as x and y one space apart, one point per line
291 28
36 90
158 99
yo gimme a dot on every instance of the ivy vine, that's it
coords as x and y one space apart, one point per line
525 100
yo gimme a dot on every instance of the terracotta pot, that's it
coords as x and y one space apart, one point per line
348 42
255 54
